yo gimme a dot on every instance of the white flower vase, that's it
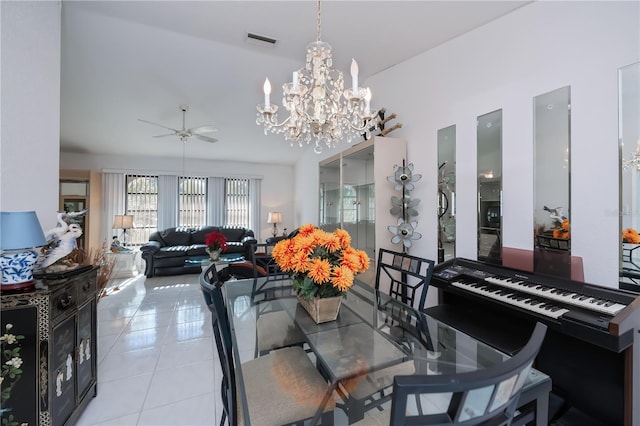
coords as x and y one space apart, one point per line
214 254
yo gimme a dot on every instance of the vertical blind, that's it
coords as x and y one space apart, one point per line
142 203
237 202
192 201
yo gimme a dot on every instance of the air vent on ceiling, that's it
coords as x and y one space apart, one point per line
261 40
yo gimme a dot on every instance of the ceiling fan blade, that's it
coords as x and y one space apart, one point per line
156 124
165 135
205 138
202 129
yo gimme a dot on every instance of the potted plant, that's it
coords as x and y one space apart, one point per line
322 266
216 243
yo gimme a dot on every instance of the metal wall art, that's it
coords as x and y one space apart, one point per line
404 207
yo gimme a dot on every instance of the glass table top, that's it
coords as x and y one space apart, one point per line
373 332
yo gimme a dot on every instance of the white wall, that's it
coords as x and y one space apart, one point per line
503 65
30 108
277 180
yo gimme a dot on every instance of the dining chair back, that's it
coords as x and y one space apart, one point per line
222 335
264 265
483 397
404 277
208 279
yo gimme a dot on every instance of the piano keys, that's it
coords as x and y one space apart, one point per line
593 330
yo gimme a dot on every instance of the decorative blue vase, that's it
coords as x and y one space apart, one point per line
17 267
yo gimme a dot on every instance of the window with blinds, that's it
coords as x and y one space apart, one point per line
142 203
237 202
192 201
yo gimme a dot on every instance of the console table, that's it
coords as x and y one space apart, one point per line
52 333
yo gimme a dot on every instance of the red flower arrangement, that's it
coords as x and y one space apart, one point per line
216 241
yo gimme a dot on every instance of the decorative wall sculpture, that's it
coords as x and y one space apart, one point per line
404 207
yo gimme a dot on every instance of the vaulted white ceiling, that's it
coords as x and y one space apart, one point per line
129 60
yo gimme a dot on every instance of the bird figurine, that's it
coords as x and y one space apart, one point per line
555 214
60 247
61 241
62 225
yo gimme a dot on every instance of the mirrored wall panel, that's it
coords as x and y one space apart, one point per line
446 193
330 186
489 140
629 135
552 166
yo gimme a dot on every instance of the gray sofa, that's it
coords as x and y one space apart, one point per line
167 250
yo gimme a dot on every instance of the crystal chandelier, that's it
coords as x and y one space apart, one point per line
318 105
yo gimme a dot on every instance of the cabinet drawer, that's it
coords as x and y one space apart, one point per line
63 301
86 288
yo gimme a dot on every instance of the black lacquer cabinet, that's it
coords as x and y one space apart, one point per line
49 338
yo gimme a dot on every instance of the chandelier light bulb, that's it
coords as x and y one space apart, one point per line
354 77
267 92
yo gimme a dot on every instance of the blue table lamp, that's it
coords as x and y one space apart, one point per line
20 234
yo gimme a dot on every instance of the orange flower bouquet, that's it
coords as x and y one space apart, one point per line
564 231
631 236
322 264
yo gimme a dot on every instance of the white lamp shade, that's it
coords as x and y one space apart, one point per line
274 217
124 221
20 230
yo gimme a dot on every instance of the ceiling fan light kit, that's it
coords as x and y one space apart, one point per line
319 107
184 133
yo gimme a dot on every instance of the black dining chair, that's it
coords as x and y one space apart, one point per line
282 387
407 327
264 265
274 327
404 277
483 397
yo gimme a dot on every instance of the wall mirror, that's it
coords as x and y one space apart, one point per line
330 187
552 166
446 193
629 142
489 141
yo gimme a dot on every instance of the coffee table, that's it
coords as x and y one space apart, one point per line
203 262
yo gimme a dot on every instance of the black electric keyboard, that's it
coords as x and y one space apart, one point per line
592 329
584 308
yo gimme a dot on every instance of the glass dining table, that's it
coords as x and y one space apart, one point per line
374 336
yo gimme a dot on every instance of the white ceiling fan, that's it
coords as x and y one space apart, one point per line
185 133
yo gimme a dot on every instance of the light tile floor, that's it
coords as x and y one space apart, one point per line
156 359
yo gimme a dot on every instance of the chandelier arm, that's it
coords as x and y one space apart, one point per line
366 126
271 124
